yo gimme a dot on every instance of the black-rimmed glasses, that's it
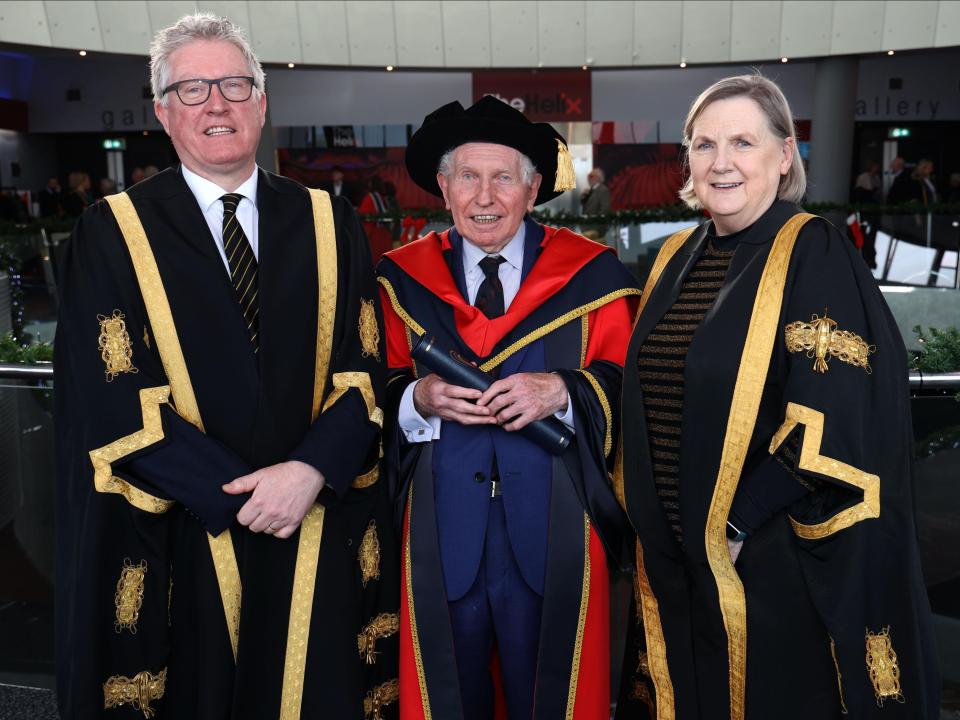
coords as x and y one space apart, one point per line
197 90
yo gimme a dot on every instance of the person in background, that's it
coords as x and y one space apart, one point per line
595 200
136 175
868 190
953 189
226 545
898 181
150 170
766 458
378 232
107 186
338 186
79 197
50 199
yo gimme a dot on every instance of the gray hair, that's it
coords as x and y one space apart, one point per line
527 168
191 28
774 106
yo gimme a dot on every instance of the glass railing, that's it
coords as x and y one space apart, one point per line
27 521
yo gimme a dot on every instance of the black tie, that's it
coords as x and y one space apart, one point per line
243 267
490 294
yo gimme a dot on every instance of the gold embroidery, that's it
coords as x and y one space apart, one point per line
398 309
643 665
382 626
343 381
367 479
381 696
301 609
584 339
181 388
138 691
813 461
327 281
114 343
554 324
369 330
581 622
883 667
411 606
103 458
369 554
836 664
640 691
820 339
744 405
607 412
656 645
129 596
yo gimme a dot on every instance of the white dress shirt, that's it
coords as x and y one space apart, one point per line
208 196
414 426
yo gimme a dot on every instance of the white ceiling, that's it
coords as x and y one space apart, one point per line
505 33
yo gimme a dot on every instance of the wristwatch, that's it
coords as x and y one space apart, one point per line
734 533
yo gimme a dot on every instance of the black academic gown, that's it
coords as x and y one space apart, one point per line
827 590
139 605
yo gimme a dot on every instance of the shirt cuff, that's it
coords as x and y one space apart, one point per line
566 417
413 425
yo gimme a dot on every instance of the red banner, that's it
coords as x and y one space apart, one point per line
541 95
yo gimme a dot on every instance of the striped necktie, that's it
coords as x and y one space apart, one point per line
243 267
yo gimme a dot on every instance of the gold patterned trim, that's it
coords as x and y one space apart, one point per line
812 461
152 432
656 645
545 330
343 381
138 691
367 479
369 330
378 698
584 339
751 376
667 251
301 609
836 664
382 626
181 388
883 667
311 528
116 350
414 631
821 340
398 308
607 411
581 622
129 596
327 281
369 554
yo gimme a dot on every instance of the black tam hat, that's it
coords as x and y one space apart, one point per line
489 120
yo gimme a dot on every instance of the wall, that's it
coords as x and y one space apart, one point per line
36 155
302 97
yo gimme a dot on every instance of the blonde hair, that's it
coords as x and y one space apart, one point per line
188 29
774 106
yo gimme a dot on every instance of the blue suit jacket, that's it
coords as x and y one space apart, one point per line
463 461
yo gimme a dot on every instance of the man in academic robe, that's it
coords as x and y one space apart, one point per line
225 546
504 609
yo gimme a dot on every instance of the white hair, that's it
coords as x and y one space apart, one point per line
527 168
191 28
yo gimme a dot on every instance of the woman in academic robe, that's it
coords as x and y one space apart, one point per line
765 459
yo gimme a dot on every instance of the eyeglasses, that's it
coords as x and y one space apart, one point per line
197 90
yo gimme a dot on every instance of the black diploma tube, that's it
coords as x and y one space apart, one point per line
549 433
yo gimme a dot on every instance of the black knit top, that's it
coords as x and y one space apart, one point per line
661 363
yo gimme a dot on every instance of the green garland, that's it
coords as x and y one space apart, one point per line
940 351
12 351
